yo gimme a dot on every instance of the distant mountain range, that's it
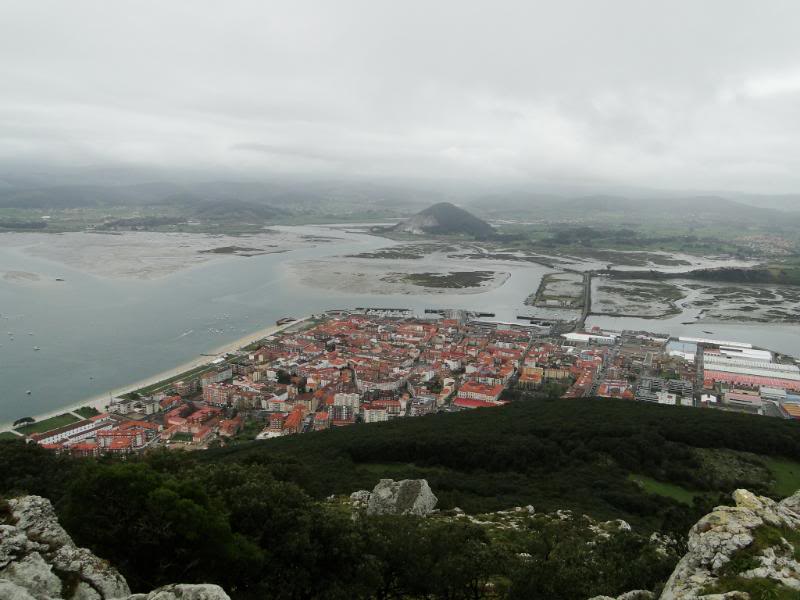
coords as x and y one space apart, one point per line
396 200
288 195
445 219
688 211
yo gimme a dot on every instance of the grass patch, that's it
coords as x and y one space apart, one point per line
452 280
48 424
786 474
87 411
769 536
7 435
182 437
160 385
759 588
668 490
249 431
747 558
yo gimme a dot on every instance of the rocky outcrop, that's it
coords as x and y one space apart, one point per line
184 591
39 561
390 497
714 562
632 595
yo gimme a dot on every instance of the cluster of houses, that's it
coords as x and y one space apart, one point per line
354 367
114 433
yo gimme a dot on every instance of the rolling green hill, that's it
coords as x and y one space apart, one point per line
554 454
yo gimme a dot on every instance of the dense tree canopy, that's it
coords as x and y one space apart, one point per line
253 517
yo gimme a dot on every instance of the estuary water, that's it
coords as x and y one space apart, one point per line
96 334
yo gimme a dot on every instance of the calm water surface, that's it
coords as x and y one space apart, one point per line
98 334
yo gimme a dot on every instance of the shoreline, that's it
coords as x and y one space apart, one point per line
100 401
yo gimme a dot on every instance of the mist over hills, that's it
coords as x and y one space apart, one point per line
688 211
283 197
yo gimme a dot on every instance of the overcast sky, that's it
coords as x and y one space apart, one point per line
663 94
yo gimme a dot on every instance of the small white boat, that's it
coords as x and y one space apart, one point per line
36 348
28 392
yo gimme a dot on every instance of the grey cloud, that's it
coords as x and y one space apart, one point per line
702 95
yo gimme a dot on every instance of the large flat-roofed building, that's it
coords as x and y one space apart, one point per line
754 381
744 402
776 394
590 338
746 353
710 342
750 371
746 366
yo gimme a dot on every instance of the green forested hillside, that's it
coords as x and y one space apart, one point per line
254 518
575 454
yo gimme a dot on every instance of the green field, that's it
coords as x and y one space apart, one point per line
87 411
660 488
7 435
159 385
48 424
786 473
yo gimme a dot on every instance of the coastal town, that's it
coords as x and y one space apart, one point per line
354 368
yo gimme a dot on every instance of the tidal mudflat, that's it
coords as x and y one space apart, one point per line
144 255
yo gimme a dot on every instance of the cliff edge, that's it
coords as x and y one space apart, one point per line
39 561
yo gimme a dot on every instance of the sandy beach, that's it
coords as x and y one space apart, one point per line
101 401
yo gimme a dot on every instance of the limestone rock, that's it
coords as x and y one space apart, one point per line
96 572
637 595
185 592
11 591
792 503
36 517
14 544
632 595
83 591
406 497
35 575
37 557
360 499
715 538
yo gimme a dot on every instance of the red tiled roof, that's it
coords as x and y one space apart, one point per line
467 403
